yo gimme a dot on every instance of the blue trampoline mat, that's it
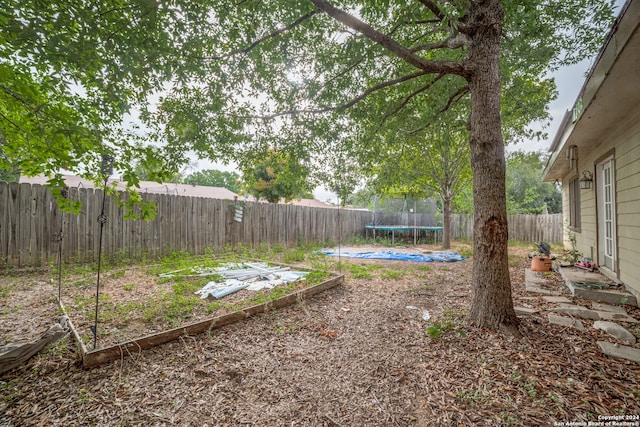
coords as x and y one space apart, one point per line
398 256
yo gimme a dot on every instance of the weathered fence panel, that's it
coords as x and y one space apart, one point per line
525 228
31 225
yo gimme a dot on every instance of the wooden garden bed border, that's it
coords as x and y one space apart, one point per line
93 358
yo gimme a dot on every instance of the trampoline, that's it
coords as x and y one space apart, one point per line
434 232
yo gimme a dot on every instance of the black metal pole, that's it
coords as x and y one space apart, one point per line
60 260
339 233
102 219
64 192
106 169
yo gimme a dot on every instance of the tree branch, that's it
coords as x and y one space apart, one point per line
455 97
12 123
349 104
382 86
269 36
440 67
423 21
142 15
406 101
115 9
434 9
342 73
418 130
20 98
453 42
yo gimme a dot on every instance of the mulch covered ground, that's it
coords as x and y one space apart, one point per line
352 356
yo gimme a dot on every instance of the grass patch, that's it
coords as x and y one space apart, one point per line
11 390
121 272
57 348
11 310
278 249
184 263
317 277
519 244
421 288
189 285
476 396
358 271
214 306
452 321
393 274
170 308
465 251
295 256
6 291
264 296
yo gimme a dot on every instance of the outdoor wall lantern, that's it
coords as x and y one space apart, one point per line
586 180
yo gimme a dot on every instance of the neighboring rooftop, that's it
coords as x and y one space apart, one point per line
189 190
145 187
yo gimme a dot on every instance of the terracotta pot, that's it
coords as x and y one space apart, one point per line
539 263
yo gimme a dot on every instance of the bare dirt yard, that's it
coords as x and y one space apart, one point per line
360 354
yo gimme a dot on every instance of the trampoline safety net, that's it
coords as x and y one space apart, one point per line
408 219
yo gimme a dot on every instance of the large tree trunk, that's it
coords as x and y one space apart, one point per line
491 301
446 221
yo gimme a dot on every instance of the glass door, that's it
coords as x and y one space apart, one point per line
606 214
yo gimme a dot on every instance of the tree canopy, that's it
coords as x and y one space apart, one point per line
276 176
526 192
69 71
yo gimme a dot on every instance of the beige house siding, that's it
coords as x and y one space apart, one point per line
628 201
625 147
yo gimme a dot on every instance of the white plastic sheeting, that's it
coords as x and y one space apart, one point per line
247 275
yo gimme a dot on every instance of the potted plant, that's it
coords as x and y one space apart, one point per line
541 259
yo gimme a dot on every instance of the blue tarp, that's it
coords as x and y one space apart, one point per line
398 256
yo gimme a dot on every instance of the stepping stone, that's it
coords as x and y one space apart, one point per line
570 305
557 299
537 290
620 351
578 311
604 295
607 307
525 311
606 315
615 330
533 283
565 321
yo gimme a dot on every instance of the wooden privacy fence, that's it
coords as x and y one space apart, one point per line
31 225
524 228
